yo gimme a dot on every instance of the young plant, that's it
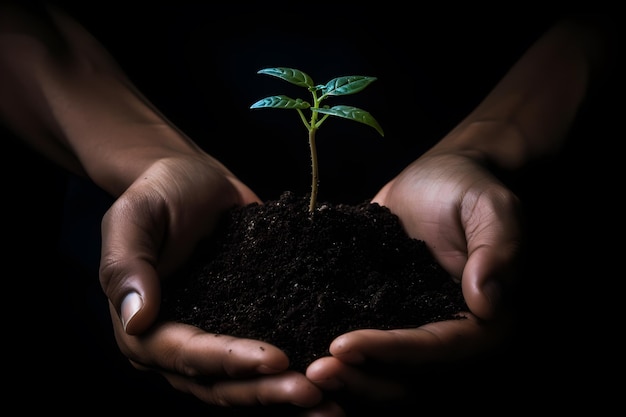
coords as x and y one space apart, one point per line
339 86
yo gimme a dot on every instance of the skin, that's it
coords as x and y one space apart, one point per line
53 83
472 223
58 83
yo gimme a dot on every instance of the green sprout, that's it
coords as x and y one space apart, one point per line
339 86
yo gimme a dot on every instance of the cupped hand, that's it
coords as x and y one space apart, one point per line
470 221
219 370
150 231
472 224
387 365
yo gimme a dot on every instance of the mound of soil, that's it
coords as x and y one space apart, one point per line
277 273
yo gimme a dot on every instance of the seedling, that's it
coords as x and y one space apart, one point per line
339 86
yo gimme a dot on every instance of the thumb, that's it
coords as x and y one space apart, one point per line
487 280
127 272
136 297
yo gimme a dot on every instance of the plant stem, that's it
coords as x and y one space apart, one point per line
314 175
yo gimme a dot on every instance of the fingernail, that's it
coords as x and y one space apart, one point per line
264 369
131 305
331 384
350 356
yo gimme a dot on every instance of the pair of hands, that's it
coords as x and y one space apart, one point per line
467 217
67 98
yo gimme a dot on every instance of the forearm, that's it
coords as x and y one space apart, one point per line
66 96
529 112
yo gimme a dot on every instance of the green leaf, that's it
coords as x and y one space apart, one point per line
292 75
352 113
280 102
351 84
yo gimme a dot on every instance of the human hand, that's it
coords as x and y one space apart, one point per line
470 221
148 232
472 224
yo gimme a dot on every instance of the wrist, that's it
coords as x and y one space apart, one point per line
116 168
501 144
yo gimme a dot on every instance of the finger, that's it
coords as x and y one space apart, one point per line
285 388
441 341
487 279
187 350
331 374
128 273
494 242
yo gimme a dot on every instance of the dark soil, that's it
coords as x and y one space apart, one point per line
275 272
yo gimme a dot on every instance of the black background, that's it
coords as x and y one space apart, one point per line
197 62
